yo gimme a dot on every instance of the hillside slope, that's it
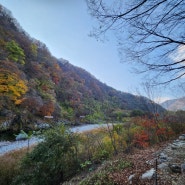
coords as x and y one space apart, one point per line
175 104
34 84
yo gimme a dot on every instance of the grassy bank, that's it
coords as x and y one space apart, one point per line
10 165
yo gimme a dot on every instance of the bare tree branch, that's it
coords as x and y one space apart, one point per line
155 32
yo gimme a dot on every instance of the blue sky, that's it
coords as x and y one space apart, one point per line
64 26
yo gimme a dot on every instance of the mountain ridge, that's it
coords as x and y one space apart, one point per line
35 84
174 104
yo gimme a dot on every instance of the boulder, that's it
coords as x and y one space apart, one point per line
130 178
183 168
21 136
148 174
175 168
162 158
182 137
174 147
163 166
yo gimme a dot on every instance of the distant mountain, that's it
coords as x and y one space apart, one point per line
175 104
35 85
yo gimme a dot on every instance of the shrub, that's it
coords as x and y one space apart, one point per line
103 176
101 155
52 161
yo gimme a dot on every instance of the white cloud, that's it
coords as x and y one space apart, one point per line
179 54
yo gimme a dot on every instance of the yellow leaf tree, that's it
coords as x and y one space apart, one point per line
12 86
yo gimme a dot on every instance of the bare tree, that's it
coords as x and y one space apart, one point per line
154 29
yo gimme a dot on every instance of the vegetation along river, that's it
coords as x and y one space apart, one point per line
7 146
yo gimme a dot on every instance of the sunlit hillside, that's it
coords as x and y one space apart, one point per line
34 84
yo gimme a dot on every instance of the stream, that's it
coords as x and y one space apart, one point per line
7 146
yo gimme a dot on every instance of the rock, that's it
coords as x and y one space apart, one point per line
176 141
150 162
181 180
130 178
183 168
163 158
174 146
175 168
163 166
5 125
42 125
148 174
174 183
177 144
6 113
182 137
21 136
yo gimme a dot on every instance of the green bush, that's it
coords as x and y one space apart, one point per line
52 161
16 53
101 155
103 177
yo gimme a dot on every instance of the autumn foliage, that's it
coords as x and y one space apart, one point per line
151 131
141 139
11 85
35 82
47 109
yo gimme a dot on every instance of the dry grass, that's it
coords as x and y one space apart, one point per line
9 165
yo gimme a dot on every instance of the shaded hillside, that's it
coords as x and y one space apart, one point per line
34 84
175 104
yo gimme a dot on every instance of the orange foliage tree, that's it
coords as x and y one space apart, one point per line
151 131
141 139
47 109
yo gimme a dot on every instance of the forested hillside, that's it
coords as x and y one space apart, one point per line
35 84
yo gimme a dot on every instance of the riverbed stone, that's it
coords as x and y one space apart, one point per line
175 168
130 178
163 166
42 125
162 158
148 174
183 168
182 137
21 136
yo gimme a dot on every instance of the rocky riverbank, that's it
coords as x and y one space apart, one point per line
7 146
163 164
171 168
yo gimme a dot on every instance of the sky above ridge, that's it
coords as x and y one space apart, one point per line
64 26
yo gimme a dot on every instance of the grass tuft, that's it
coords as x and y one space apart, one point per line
9 165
